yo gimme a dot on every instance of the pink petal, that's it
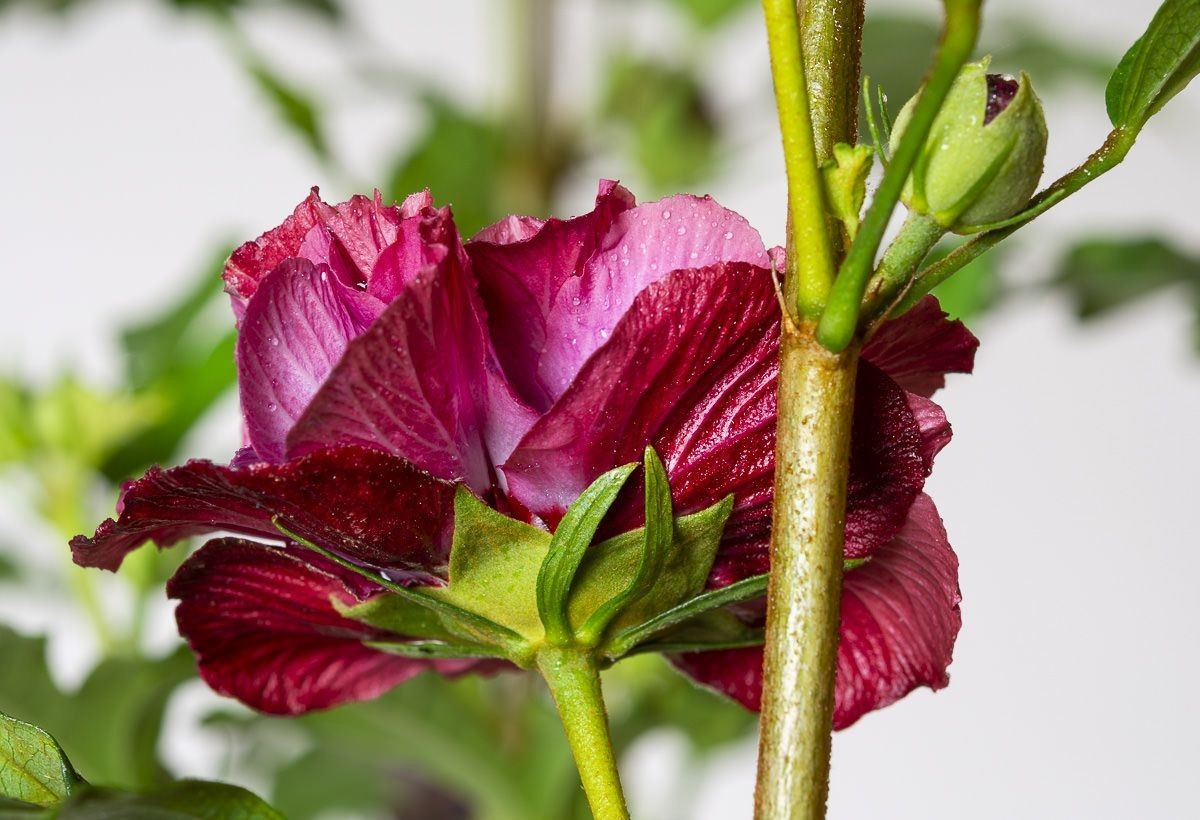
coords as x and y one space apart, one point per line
919 348
370 507
691 369
900 618
422 382
642 246
362 228
522 264
295 330
262 623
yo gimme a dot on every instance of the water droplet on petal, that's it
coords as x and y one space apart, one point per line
729 234
681 231
666 214
576 301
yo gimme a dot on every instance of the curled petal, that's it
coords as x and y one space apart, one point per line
263 625
919 348
422 383
370 507
295 330
900 618
349 237
691 369
641 247
522 264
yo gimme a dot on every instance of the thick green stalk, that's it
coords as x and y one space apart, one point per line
831 39
811 263
574 682
812 463
839 321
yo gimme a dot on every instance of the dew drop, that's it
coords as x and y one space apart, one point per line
275 341
603 333
576 301
272 407
666 214
729 234
681 230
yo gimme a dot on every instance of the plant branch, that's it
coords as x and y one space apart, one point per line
811 264
839 321
831 40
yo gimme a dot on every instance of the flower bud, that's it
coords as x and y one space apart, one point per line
983 158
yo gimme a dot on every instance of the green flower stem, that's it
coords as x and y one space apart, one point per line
831 39
816 404
908 250
574 681
1106 157
811 264
839 322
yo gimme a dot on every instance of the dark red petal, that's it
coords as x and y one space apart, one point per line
422 382
900 617
295 330
362 228
522 264
368 506
262 623
919 348
688 369
691 369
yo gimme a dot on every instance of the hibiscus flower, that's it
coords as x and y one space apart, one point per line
383 363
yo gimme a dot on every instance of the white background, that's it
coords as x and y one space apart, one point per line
130 144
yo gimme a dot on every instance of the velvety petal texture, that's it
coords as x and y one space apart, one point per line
919 348
264 628
382 363
900 616
345 499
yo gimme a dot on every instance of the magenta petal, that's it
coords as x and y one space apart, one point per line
422 382
522 264
691 369
370 507
262 623
642 246
900 617
361 228
295 330
919 348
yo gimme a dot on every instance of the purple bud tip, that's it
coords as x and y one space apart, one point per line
1001 90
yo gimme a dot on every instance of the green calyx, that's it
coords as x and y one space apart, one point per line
515 590
973 171
845 175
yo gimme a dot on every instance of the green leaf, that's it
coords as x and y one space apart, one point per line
710 13
658 535
494 566
1104 275
974 289
33 767
461 157
612 565
567 547
845 178
182 800
297 110
1158 66
182 357
110 727
671 128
